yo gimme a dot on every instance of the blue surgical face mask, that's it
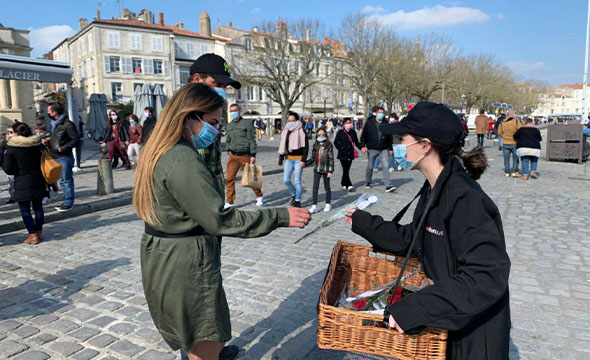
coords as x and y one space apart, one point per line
132 123
204 138
380 116
220 91
115 117
400 156
291 124
234 115
321 139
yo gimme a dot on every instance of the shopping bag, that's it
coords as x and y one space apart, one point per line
252 176
50 168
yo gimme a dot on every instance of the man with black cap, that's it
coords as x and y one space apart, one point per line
376 144
457 234
213 70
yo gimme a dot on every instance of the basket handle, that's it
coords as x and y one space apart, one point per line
411 247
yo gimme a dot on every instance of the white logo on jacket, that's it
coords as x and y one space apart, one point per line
435 232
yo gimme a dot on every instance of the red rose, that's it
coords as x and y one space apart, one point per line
360 304
396 297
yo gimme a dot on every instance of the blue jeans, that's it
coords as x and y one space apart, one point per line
293 166
25 210
66 180
500 142
392 164
507 150
526 160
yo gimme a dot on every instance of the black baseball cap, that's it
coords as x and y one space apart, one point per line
429 120
215 66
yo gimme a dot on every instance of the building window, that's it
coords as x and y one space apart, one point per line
88 68
248 42
250 93
317 70
260 93
116 91
136 63
157 44
90 42
158 66
190 50
240 94
83 41
135 41
113 40
115 63
184 74
78 50
204 49
148 66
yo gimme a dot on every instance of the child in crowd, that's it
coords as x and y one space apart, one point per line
322 158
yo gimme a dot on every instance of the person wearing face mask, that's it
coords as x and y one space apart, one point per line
135 139
117 137
377 144
293 150
456 233
345 141
148 123
182 205
240 142
322 159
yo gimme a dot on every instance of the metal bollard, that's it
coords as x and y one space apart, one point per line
104 181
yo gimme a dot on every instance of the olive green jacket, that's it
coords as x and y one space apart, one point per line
240 136
188 196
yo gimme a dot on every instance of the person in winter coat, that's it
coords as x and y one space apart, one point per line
135 139
506 130
456 233
181 203
117 137
528 148
376 144
293 150
481 126
322 159
345 141
64 138
496 126
23 160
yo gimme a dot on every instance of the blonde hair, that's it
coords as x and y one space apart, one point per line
188 102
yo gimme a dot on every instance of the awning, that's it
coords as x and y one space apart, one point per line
27 69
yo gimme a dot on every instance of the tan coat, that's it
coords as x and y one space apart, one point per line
481 124
507 129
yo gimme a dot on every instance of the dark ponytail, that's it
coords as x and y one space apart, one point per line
475 161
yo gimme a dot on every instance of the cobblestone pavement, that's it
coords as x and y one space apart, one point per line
78 295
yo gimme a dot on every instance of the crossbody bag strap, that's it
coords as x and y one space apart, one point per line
403 211
410 248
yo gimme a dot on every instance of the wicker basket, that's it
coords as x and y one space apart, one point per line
359 268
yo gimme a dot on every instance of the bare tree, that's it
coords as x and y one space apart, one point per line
364 39
393 81
284 60
432 61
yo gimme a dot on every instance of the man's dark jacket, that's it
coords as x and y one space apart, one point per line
462 249
371 139
65 137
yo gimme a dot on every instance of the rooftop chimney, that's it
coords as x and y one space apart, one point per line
97 14
180 25
255 29
230 24
335 44
146 15
204 24
282 29
82 23
308 34
326 42
161 18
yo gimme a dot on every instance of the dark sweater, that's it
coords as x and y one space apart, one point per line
528 137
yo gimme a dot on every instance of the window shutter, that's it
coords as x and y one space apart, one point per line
165 66
148 66
129 65
107 65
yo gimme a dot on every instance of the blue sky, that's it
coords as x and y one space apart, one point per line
542 39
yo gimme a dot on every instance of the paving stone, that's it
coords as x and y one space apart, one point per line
84 333
9 348
63 326
66 348
123 328
156 355
102 321
102 341
82 314
43 339
86 354
44 319
32 355
126 348
25 331
8 325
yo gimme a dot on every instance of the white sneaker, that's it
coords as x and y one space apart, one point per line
259 201
327 208
227 206
344 188
76 169
313 209
350 188
391 169
399 168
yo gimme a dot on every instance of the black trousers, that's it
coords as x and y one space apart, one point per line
316 186
346 164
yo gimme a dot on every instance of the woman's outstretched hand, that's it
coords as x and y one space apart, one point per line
298 217
348 215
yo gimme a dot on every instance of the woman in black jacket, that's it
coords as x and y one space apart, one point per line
345 142
528 148
456 233
23 160
117 137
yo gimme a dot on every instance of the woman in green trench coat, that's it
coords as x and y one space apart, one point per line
182 206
